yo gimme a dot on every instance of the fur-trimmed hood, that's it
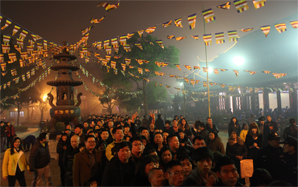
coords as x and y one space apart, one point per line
239 141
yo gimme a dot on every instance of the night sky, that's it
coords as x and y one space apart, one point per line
63 21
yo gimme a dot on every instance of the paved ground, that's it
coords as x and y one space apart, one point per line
55 170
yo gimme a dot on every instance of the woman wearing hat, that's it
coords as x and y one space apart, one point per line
14 163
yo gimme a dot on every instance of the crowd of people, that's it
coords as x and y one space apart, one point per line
126 151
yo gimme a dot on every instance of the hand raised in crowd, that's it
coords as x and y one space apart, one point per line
211 180
134 117
160 145
239 157
152 115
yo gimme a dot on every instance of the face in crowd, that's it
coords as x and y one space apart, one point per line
164 137
187 167
90 143
156 177
175 176
74 141
118 135
104 135
211 136
17 144
269 118
174 143
145 133
183 121
64 138
85 125
209 121
204 165
136 146
228 175
166 156
254 130
158 138
199 143
77 130
124 154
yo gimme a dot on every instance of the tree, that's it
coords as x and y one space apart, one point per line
151 53
156 95
43 106
109 99
32 95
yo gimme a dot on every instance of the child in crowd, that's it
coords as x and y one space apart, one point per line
244 131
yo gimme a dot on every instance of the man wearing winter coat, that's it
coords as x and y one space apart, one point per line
87 163
39 160
68 157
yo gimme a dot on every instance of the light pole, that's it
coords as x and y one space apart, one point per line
209 111
184 100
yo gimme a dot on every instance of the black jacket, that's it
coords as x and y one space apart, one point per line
269 127
60 151
114 176
270 158
214 128
249 141
234 127
205 134
159 124
140 181
195 179
68 157
39 156
29 139
3 129
221 184
236 149
289 169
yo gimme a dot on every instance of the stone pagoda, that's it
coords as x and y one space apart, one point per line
65 109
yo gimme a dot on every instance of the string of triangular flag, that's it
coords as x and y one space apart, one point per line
25 76
20 33
85 32
216 71
208 14
207 38
95 80
233 35
32 84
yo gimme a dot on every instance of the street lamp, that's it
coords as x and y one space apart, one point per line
238 60
45 97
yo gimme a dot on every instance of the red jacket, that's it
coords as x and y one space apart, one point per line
11 132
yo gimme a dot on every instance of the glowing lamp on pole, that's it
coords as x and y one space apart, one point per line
238 60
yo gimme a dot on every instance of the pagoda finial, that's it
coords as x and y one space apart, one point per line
65 47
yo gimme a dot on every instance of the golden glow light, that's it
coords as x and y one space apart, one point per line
45 97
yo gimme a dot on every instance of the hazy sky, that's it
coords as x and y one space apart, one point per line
59 21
